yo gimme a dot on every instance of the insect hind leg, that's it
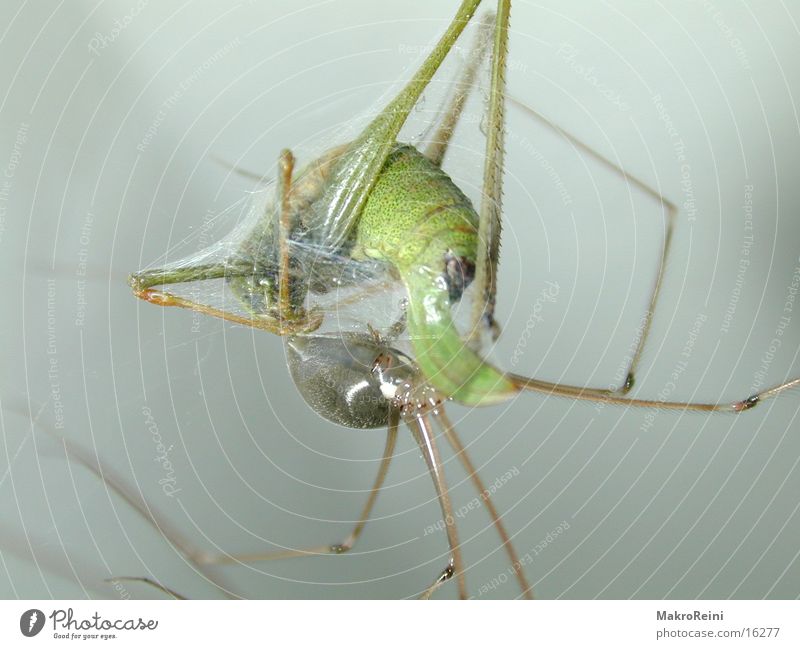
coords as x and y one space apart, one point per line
437 147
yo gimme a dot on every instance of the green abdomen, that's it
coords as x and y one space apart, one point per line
419 221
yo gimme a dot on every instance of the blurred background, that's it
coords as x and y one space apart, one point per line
113 119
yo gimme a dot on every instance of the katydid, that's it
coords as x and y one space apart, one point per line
377 200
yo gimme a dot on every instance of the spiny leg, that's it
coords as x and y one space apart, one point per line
490 224
497 521
284 229
351 183
670 216
437 147
421 428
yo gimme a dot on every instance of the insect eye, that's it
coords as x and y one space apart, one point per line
458 275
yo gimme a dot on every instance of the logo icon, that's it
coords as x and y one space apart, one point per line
31 622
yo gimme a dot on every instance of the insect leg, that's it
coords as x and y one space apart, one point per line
421 428
143 284
437 147
489 229
278 327
466 462
285 168
359 169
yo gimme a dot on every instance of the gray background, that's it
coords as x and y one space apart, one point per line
690 506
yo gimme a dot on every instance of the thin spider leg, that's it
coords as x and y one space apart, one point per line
149 582
350 541
419 423
489 229
202 558
117 484
497 521
239 171
388 453
670 215
589 394
613 396
444 576
437 147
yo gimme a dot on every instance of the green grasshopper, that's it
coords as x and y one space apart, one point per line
375 200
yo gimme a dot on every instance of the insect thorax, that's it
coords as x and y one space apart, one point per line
417 218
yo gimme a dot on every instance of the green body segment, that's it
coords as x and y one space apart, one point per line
416 219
